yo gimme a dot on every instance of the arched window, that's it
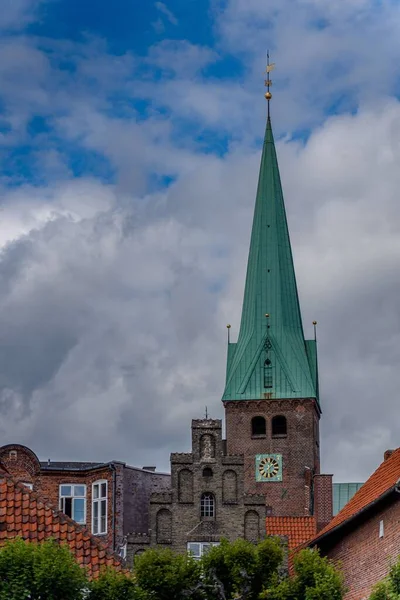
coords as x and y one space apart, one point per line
207 505
252 526
164 526
207 472
279 425
229 486
185 485
258 426
268 373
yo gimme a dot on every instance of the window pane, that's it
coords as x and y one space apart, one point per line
96 491
103 490
194 549
103 525
79 490
68 507
103 508
65 490
79 510
95 525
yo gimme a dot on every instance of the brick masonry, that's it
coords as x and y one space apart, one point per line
323 500
299 449
175 516
128 488
364 557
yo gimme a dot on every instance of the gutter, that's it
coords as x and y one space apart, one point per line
394 488
114 470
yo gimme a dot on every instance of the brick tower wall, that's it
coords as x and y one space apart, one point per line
299 449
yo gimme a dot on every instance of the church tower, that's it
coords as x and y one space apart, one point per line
271 398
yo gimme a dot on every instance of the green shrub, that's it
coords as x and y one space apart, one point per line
45 571
165 575
315 578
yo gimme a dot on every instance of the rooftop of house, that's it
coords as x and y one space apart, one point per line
381 483
24 514
297 530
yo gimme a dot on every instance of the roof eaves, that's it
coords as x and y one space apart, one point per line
364 509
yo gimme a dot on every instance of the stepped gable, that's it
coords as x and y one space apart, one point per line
24 514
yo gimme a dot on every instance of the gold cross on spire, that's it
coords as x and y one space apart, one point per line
268 82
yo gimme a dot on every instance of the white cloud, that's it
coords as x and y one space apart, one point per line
114 298
167 12
114 308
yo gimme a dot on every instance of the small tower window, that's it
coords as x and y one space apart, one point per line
279 426
207 472
258 426
207 505
268 373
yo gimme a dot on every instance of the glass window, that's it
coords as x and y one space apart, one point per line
73 502
207 505
268 374
198 549
99 508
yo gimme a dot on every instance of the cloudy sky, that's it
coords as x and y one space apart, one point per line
130 140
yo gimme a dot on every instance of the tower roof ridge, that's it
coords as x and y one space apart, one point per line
271 358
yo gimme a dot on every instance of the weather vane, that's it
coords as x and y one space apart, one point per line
268 82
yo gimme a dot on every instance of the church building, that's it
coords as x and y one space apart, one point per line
265 477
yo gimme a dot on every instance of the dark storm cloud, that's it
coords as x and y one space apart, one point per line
114 298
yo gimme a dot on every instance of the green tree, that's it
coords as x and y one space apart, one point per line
315 578
165 575
45 571
242 568
112 585
389 588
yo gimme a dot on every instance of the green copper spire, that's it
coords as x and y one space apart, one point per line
271 358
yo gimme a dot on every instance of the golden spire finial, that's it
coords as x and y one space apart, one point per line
268 82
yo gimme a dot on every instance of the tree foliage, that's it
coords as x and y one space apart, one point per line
238 570
242 568
164 575
315 578
389 588
112 585
45 571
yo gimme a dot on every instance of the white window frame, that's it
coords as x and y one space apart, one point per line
28 485
99 501
203 547
207 506
73 497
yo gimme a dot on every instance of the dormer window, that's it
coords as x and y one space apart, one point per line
268 374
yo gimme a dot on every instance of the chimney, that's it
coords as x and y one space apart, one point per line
323 501
152 469
388 454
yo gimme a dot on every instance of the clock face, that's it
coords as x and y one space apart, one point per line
269 467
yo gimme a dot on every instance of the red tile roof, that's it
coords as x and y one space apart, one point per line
24 514
381 481
297 529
